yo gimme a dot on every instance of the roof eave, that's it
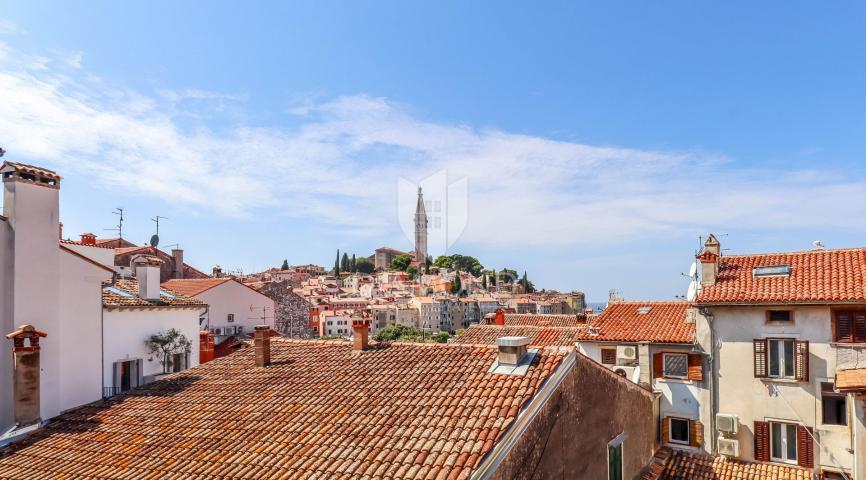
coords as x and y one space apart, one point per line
781 303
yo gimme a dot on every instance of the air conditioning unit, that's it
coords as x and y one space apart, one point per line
627 353
729 447
727 423
239 329
629 373
217 331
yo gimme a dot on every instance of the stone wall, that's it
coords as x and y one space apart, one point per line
569 437
293 312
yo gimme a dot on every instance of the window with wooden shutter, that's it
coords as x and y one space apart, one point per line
760 358
696 367
805 447
608 356
801 360
658 365
859 327
844 330
696 439
762 441
666 429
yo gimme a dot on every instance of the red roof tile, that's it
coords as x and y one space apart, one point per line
661 322
669 464
539 336
539 320
817 276
320 410
124 294
193 286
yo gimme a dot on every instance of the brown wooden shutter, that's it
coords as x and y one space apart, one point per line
859 327
760 347
658 365
805 447
696 367
762 441
608 356
696 436
801 360
666 430
844 328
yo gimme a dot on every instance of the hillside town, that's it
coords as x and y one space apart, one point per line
123 361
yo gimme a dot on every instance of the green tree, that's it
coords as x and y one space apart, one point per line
461 262
166 345
364 265
352 264
456 287
440 337
427 263
400 263
285 265
484 281
344 263
337 264
507 276
413 272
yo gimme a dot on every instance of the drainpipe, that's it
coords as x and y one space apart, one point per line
705 312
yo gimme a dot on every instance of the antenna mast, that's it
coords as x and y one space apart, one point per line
156 219
119 228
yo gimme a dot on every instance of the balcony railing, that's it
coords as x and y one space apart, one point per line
110 391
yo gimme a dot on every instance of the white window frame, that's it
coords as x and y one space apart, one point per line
785 440
781 358
671 439
664 366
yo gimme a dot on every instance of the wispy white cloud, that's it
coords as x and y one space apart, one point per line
339 165
8 27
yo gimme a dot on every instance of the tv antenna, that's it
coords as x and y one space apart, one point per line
119 228
156 219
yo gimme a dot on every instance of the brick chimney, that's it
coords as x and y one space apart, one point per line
499 319
88 239
147 273
709 260
512 349
177 259
360 334
205 351
262 340
26 374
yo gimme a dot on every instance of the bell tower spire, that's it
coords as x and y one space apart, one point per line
420 230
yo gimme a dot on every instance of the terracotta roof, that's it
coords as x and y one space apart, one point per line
851 379
193 286
23 167
661 322
670 464
817 276
113 299
547 320
320 410
77 242
540 336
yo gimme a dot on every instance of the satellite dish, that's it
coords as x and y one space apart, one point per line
692 292
154 241
693 270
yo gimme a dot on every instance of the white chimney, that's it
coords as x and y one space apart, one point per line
147 270
512 350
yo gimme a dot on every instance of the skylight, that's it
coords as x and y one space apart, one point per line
643 310
118 291
772 271
166 294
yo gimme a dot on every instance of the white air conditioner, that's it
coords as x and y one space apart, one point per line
729 447
627 353
217 331
727 423
629 373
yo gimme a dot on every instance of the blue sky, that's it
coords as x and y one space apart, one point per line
599 141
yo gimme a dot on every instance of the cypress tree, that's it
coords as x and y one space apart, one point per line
337 263
484 281
352 264
344 264
285 265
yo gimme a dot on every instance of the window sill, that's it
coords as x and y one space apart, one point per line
782 380
848 344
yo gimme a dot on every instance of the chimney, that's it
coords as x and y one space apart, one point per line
26 374
60 230
206 352
217 272
262 340
500 317
360 334
512 350
177 256
147 273
709 260
88 239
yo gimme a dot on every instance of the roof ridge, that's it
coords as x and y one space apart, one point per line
646 302
796 252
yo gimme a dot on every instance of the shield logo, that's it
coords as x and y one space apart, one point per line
446 206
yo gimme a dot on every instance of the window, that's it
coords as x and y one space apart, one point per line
178 362
614 459
230 318
781 358
127 375
783 442
833 406
849 327
608 356
679 431
779 316
676 365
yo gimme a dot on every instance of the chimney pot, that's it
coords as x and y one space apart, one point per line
147 274
88 239
26 373
262 340
360 334
500 317
512 350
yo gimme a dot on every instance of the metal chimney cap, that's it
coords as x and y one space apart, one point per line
512 341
